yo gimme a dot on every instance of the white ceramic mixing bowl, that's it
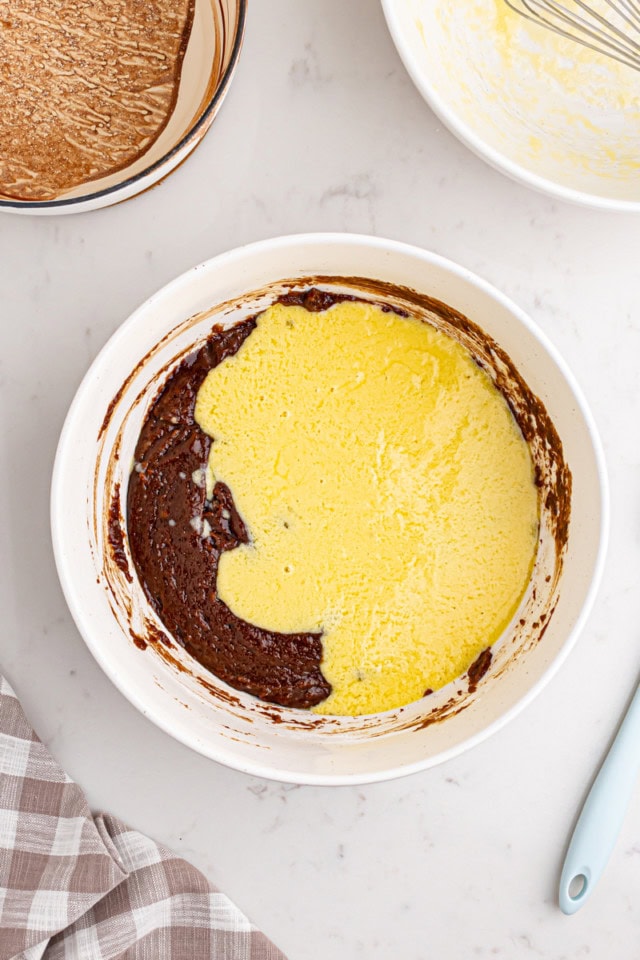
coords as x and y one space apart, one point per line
92 468
542 109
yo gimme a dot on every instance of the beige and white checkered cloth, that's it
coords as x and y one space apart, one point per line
78 887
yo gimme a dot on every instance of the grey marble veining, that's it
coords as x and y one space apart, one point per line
323 130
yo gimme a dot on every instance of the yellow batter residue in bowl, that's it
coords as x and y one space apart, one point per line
387 490
561 110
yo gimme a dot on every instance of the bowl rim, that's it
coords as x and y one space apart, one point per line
465 133
217 96
210 749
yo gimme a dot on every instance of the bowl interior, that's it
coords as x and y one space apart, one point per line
210 52
539 106
92 469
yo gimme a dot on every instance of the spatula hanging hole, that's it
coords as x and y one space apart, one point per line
577 886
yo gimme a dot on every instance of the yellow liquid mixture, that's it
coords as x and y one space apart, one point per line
387 491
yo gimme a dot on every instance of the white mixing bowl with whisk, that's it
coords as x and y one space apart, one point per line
540 108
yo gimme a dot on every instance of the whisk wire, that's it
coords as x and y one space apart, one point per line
578 23
581 23
626 46
577 20
626 39
629 11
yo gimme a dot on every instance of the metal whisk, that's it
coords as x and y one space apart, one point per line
613 29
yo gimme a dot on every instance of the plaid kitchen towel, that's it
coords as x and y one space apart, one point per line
78 887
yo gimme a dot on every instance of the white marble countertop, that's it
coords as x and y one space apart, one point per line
323 130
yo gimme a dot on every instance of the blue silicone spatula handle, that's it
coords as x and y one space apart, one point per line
599 823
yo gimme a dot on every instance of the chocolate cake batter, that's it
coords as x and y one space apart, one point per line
167 515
